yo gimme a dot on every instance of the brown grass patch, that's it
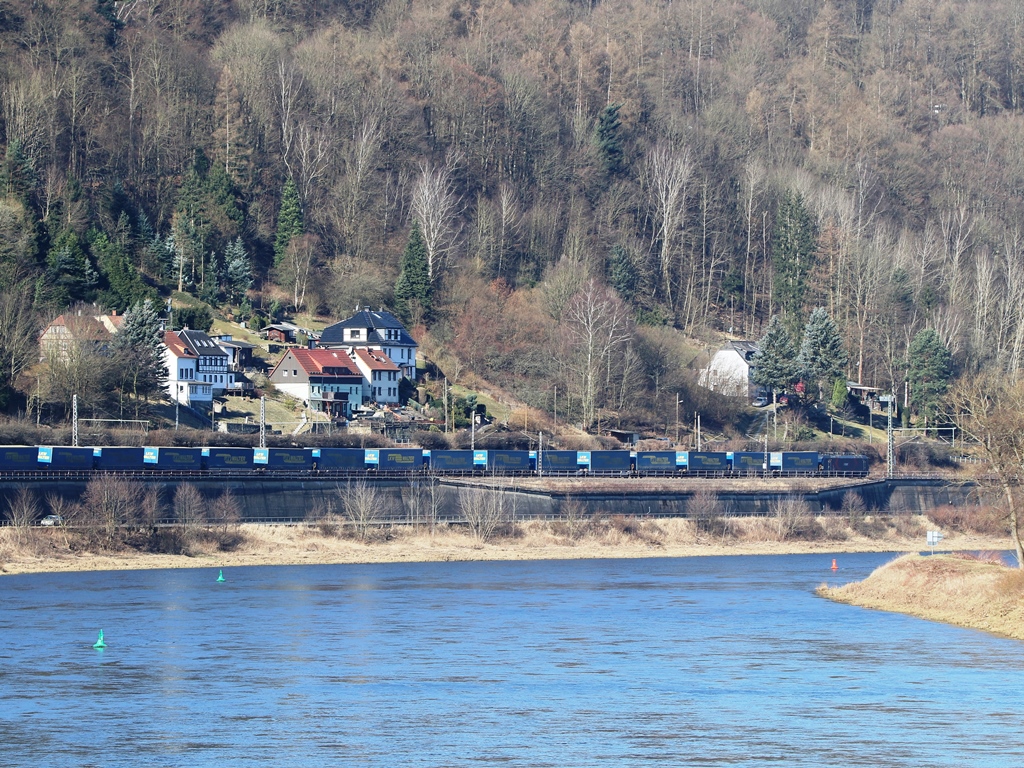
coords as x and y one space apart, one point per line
968 592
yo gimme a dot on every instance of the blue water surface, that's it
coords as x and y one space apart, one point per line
728 661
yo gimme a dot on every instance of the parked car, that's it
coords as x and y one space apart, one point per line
51 520
760 401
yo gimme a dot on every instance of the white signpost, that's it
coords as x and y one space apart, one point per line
934 537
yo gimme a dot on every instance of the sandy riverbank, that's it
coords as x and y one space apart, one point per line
947 588
48 550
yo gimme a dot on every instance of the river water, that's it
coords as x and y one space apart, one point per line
726 661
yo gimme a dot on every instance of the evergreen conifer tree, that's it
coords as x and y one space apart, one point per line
289 220
822 355
238 269
622 273
70 276
775 364
124 286
929 368
794 246
608 139
139 353
412 289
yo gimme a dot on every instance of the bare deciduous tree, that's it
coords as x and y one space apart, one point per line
706 510
486 510
790 514
189 509
363 506
990 410
436 207
226 510
668 172
109 502
599 325
23 509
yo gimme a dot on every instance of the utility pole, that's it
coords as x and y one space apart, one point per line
263 421
890 455
74 420
766 456
677 418
540 454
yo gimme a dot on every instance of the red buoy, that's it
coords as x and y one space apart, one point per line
834 566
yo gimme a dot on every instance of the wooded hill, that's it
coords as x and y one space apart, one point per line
586 177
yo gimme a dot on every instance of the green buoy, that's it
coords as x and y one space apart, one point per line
221 576
99 645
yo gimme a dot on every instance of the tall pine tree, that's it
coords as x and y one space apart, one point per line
238 269
794 246
139 353
929 369
608 139
290 222
822 355
775 363
412 289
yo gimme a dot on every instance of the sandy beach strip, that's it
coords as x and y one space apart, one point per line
301 545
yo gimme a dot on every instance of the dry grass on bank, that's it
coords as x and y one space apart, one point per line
975 592
334 540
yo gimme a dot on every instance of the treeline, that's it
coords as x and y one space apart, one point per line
583 175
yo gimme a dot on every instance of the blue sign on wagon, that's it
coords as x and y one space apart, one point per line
150 455
372 456
45 454
261 456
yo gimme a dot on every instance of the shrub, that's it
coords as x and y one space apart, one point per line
983 519
708 512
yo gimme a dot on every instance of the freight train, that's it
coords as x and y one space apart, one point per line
51 461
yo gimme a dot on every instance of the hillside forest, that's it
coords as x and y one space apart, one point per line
551 193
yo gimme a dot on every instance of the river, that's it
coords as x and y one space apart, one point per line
728 661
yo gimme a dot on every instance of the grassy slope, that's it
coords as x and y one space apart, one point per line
967 593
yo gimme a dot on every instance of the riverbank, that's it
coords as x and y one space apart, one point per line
972 593
52 550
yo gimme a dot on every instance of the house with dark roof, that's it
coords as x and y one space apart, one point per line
183 385
374 330
730 369
212 362
325 380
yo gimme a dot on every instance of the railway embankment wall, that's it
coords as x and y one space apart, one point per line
273 499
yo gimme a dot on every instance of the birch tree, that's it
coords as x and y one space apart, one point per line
599 327
436 208
668 173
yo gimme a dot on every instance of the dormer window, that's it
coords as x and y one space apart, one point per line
355 334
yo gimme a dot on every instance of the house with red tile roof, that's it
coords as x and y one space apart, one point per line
325 380
78 325
380 374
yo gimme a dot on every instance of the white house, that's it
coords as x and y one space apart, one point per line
371 330
183 384
380 375
212 364
325 380
730 369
